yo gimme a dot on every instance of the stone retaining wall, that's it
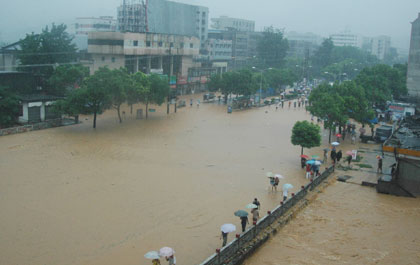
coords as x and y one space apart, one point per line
32 127
241 247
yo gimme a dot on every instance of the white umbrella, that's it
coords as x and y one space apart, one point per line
227 228
166 252
251 206
152 255
335 143
317 163
269 174
287 186
278 176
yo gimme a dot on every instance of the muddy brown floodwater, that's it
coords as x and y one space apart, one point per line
348 224
74 195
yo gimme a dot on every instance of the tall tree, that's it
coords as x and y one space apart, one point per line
41 52
9 105
95 93
272 47
119 85
356 103
382 83
135 93
67 77
306 135
157 92
323 56
326 103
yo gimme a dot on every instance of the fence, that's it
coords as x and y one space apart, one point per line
236 251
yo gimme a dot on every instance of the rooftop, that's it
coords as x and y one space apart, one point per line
407 136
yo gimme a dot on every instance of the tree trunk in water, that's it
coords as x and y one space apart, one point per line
226 98
131 108
119 114
147 110
329 137
301 151
76 119
94 120
339 129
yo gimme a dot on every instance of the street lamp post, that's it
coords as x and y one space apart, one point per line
261 72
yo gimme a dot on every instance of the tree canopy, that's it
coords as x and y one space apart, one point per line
67 77
9 106
306 134
272 47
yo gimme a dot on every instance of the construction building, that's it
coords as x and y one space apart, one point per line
165 17
171 55
413 72
84 25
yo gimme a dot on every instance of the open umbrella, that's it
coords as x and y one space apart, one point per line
317 163
304 156
310 162
338 135
349 153
152 255
241 213
278 176
251 206
335 143
287 186
166 252
315 157
326 149
269 174
227 228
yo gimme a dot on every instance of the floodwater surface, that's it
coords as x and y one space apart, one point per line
75 195
348 224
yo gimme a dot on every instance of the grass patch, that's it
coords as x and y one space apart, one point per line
358 159
365 166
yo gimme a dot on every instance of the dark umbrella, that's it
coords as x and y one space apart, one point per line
241 213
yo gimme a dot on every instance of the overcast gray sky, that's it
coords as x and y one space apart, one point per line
323 17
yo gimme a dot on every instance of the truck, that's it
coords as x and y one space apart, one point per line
382 133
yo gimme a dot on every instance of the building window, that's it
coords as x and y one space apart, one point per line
113 59
160 44
181 45
103 58
191 45
171 45
136 43
148 43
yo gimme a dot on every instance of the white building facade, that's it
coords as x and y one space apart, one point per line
224 23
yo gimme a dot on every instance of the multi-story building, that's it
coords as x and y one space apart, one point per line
346 38
219 50
379 46
413 72
165 17
84 25
171 55
224 23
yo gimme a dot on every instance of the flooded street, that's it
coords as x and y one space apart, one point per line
74 195
348 224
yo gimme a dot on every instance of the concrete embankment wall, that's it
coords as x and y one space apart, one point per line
32 127
241 247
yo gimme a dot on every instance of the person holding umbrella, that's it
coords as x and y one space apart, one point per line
154 256
308 170
256 202
168 253
226 229
379 164
244 218
303 159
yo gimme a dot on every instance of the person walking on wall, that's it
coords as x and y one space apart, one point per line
244 221
224 236
379 164
256 202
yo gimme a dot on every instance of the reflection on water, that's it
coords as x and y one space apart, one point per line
348 224
74 195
